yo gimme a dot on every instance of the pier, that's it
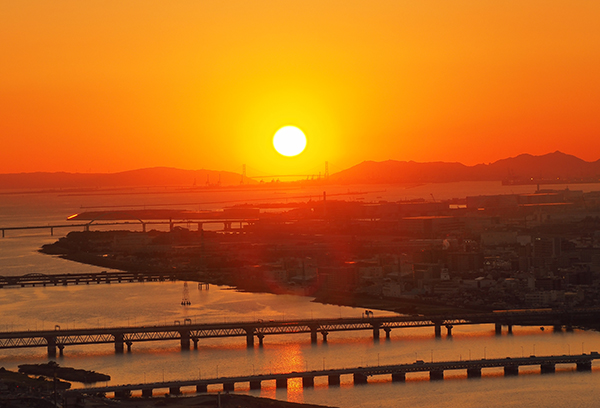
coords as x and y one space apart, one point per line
187 332
359 375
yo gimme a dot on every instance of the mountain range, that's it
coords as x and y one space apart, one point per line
524 168
154 177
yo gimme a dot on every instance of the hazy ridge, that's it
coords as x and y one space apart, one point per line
154 177
524 167
551 166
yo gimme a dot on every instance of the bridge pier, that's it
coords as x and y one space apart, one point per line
255 385
324 333
51 346
438 330
511 370
129 343
510 329
313 334
249 337
308 381
498 328
399 376
474 372
375 330
584 366
547 368
557 328
147 392
118 342
360 378
281 383
61 347
195 340
201 388
175 390
388 332
185 339
333 379
260 339
449 328
228 386
435 375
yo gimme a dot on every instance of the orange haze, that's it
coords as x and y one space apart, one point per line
106 86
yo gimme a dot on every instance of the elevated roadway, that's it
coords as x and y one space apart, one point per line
360 375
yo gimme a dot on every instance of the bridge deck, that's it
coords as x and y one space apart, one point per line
418 366
250 329
39 279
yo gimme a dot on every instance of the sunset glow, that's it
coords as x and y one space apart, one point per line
105 87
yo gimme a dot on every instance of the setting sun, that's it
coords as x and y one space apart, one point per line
289 141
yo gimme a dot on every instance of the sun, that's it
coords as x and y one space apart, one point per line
289 141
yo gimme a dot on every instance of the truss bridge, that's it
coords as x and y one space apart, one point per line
187 332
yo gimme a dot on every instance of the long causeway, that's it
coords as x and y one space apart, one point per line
360 375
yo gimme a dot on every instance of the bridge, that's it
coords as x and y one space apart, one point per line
228 224
52 227
40 279
359 375
188 333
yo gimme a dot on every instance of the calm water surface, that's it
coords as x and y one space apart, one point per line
159 303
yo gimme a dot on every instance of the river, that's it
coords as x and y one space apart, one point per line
159 303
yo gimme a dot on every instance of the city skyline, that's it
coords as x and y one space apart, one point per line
97 87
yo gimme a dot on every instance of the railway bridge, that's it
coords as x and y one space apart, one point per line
106 277
187 332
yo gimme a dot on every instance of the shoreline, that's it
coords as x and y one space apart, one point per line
401 306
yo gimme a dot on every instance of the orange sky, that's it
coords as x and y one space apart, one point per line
105 86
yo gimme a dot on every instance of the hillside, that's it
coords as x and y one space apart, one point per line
151 177
521 168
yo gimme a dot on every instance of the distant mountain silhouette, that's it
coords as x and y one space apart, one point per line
524 167
156 177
